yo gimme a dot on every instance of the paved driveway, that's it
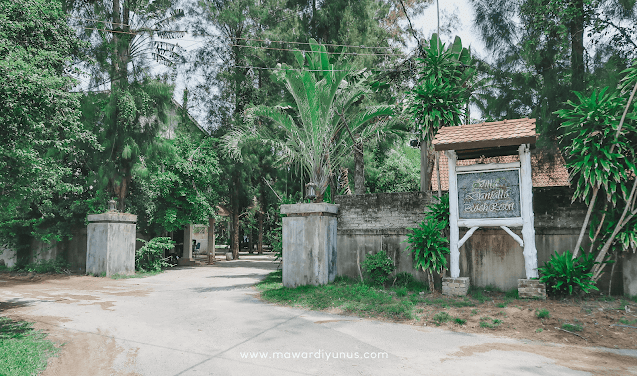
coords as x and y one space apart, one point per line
209 321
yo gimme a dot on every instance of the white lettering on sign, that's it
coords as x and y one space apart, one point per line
489 194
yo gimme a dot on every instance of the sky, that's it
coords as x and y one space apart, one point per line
459 15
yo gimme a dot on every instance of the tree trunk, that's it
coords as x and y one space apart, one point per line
211 240
577 46
260 240
250 241
235 216
424 166
359 176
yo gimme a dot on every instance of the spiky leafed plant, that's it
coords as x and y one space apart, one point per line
326 113
444 87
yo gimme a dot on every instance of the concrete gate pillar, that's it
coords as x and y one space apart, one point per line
309 244
110 244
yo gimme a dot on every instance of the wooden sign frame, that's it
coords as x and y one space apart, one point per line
526 208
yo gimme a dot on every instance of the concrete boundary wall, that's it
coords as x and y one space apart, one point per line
369 223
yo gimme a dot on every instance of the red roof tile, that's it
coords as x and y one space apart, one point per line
547 169
484 135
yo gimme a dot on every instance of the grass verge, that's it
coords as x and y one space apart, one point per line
349 295
23 350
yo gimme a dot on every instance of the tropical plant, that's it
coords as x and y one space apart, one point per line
150 257
602 135
564 275
439 211
378 267
429 248
313 131
444 87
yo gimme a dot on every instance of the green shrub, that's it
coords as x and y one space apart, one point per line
404 279
490 323
542 314
378 267
563 275
572 327
150 257
401 291
441 317
459 321
58 266
512 294
429 247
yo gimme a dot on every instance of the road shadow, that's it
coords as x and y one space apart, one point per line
243 286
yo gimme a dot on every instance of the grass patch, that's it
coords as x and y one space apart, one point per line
401 291
504 303
347 294
459 321
491 288
489 323
625 321
404 279
441 318
57 266
542 314
137 274
572 327
512 294
476 294
539 330
23 350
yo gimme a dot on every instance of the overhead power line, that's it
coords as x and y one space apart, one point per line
246 39
315 70
329 53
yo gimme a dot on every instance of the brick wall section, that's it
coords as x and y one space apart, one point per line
384 212
531 288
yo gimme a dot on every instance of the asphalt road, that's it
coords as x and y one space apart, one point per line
209 321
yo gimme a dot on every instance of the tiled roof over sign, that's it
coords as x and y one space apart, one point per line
547 169
486 135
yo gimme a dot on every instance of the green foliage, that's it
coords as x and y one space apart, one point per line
439 211
150 257
59 265
429 246
324 103
563 275
404 279
378 267
351 296
23 350
179 181
590 126
459 321
441 318
626 321
572 327
40 153
513 294
542 314
443 88
401 291
399 171
489 323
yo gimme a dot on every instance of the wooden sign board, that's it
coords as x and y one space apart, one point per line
489 194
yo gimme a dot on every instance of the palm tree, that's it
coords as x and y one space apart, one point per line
326 113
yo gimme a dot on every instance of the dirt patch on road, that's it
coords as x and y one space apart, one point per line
575 358
81 353
67 289
87 353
